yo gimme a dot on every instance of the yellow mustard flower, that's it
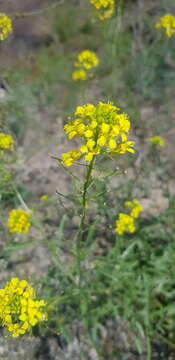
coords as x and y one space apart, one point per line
19 309
136 208
105 8
5 26
19 221
157 140
102 129
168 23
71 156
125 223
6 141
79 75
86 61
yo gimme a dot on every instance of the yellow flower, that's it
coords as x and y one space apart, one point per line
79 75
86 61
19 310
157 140
71 156
101 140
136 208
5 26
105 8
126 146
168 23
125 223
6 141
112 144
19 221
88 133
89 156
105 128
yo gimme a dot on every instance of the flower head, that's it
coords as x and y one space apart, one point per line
86 61
19 221
6 141
19 309
5 26
136 208
101 128
168 23
79 75
70 157
157 140
105 8
125 223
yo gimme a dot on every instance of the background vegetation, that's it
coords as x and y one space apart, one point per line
127 298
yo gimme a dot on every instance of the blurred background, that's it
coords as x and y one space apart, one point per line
136 72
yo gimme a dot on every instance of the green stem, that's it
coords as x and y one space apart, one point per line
81 230
20 198
148 345
83 217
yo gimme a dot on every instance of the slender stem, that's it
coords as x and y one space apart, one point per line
148 345
84 207
81 231
19 196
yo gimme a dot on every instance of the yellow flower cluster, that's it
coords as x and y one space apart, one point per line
19 221
6 141
168 23
5 26
79 75
157 140
18 308
102 129
126 223
70 157
105 8
86 61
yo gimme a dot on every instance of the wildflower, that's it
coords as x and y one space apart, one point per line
105 8
5 26
168 23
19 221
70 157
44 197
86 61
136 208
102 129
6 141
19 309
125 223
157 140
79 75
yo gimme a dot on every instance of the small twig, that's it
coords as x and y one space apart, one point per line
21 199
17 15
65 196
